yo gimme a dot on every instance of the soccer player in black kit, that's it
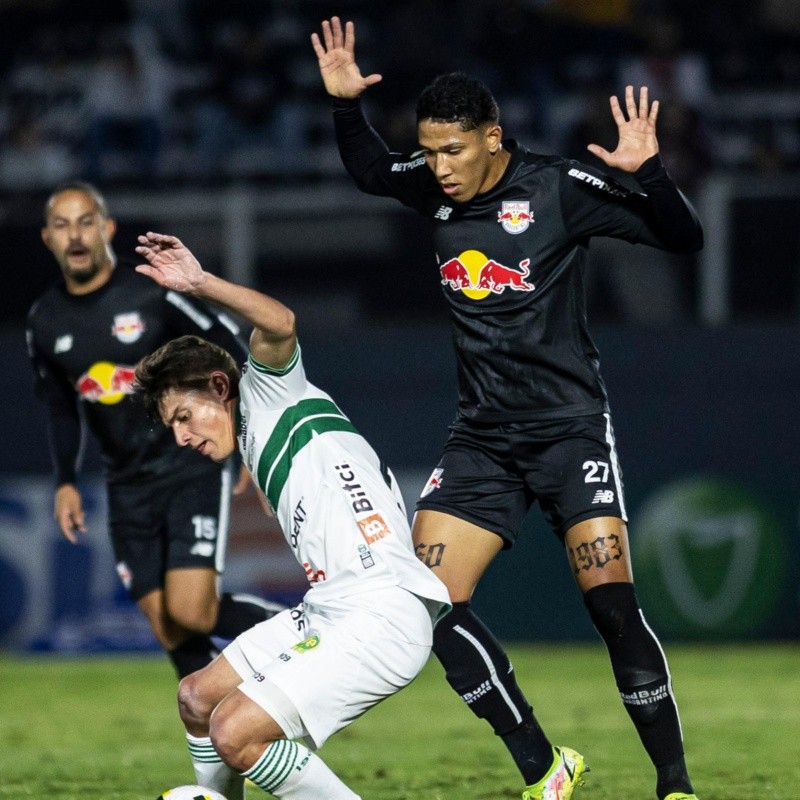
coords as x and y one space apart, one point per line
168 507
511 230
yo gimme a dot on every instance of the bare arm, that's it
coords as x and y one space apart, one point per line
172 265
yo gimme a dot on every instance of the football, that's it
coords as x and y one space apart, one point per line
190 793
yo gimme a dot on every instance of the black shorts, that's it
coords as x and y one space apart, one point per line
490 475
159 526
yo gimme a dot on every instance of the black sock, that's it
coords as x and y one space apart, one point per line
673 778
643 680
194 653
240 612
477 667
531 750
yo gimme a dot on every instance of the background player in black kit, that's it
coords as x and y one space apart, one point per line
168 507
511 230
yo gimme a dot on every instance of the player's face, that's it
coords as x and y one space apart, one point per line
201 420
79 237
465 163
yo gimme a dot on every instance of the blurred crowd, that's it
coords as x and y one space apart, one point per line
171 91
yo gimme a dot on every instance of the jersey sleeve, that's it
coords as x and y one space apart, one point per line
374 168
65 429
188 315
272 389
593 204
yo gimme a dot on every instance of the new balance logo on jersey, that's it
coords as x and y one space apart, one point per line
443 213
204 549
63 344
603 496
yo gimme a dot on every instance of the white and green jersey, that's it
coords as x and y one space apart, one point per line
338 505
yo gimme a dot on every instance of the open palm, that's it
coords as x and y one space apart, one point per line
336 57
169 262
637 133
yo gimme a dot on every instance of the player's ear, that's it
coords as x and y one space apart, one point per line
110 226
494 139
220 385
46 238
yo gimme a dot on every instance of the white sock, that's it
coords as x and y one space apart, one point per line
211 771
291 771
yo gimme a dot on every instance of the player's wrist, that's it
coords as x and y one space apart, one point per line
345 103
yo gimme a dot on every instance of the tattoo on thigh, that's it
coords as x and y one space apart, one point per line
430 554
603 550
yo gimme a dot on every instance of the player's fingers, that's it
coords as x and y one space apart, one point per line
317 45
338 36
64 521
616 111
653 113
630 105
164 239
150 254
327 35
372 79
600 152
643 103
350 37
146 269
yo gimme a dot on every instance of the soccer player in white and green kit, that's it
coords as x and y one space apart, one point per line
365 627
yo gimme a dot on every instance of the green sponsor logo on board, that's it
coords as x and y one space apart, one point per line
709 559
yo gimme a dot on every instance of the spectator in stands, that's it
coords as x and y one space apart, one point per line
28 160
127 95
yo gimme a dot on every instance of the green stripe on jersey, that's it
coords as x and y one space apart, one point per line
294 430
264 369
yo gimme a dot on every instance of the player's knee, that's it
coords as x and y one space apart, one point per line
613 608
194 709
198 617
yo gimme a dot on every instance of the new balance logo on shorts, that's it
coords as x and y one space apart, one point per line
603 496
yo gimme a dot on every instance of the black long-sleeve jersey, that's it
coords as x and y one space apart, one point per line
512 261
84 348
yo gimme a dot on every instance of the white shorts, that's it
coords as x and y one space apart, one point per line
348 659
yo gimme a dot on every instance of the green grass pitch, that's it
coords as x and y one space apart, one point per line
107 729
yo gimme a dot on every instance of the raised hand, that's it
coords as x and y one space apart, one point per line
169 262
637 133
337 64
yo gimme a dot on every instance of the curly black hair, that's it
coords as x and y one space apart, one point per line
455 97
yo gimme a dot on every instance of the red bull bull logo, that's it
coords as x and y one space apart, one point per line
478 276
515 216
105 383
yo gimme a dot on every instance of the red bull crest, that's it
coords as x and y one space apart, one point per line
515 216
128 327
105 383
478 276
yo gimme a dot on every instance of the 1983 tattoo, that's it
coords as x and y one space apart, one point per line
588 555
